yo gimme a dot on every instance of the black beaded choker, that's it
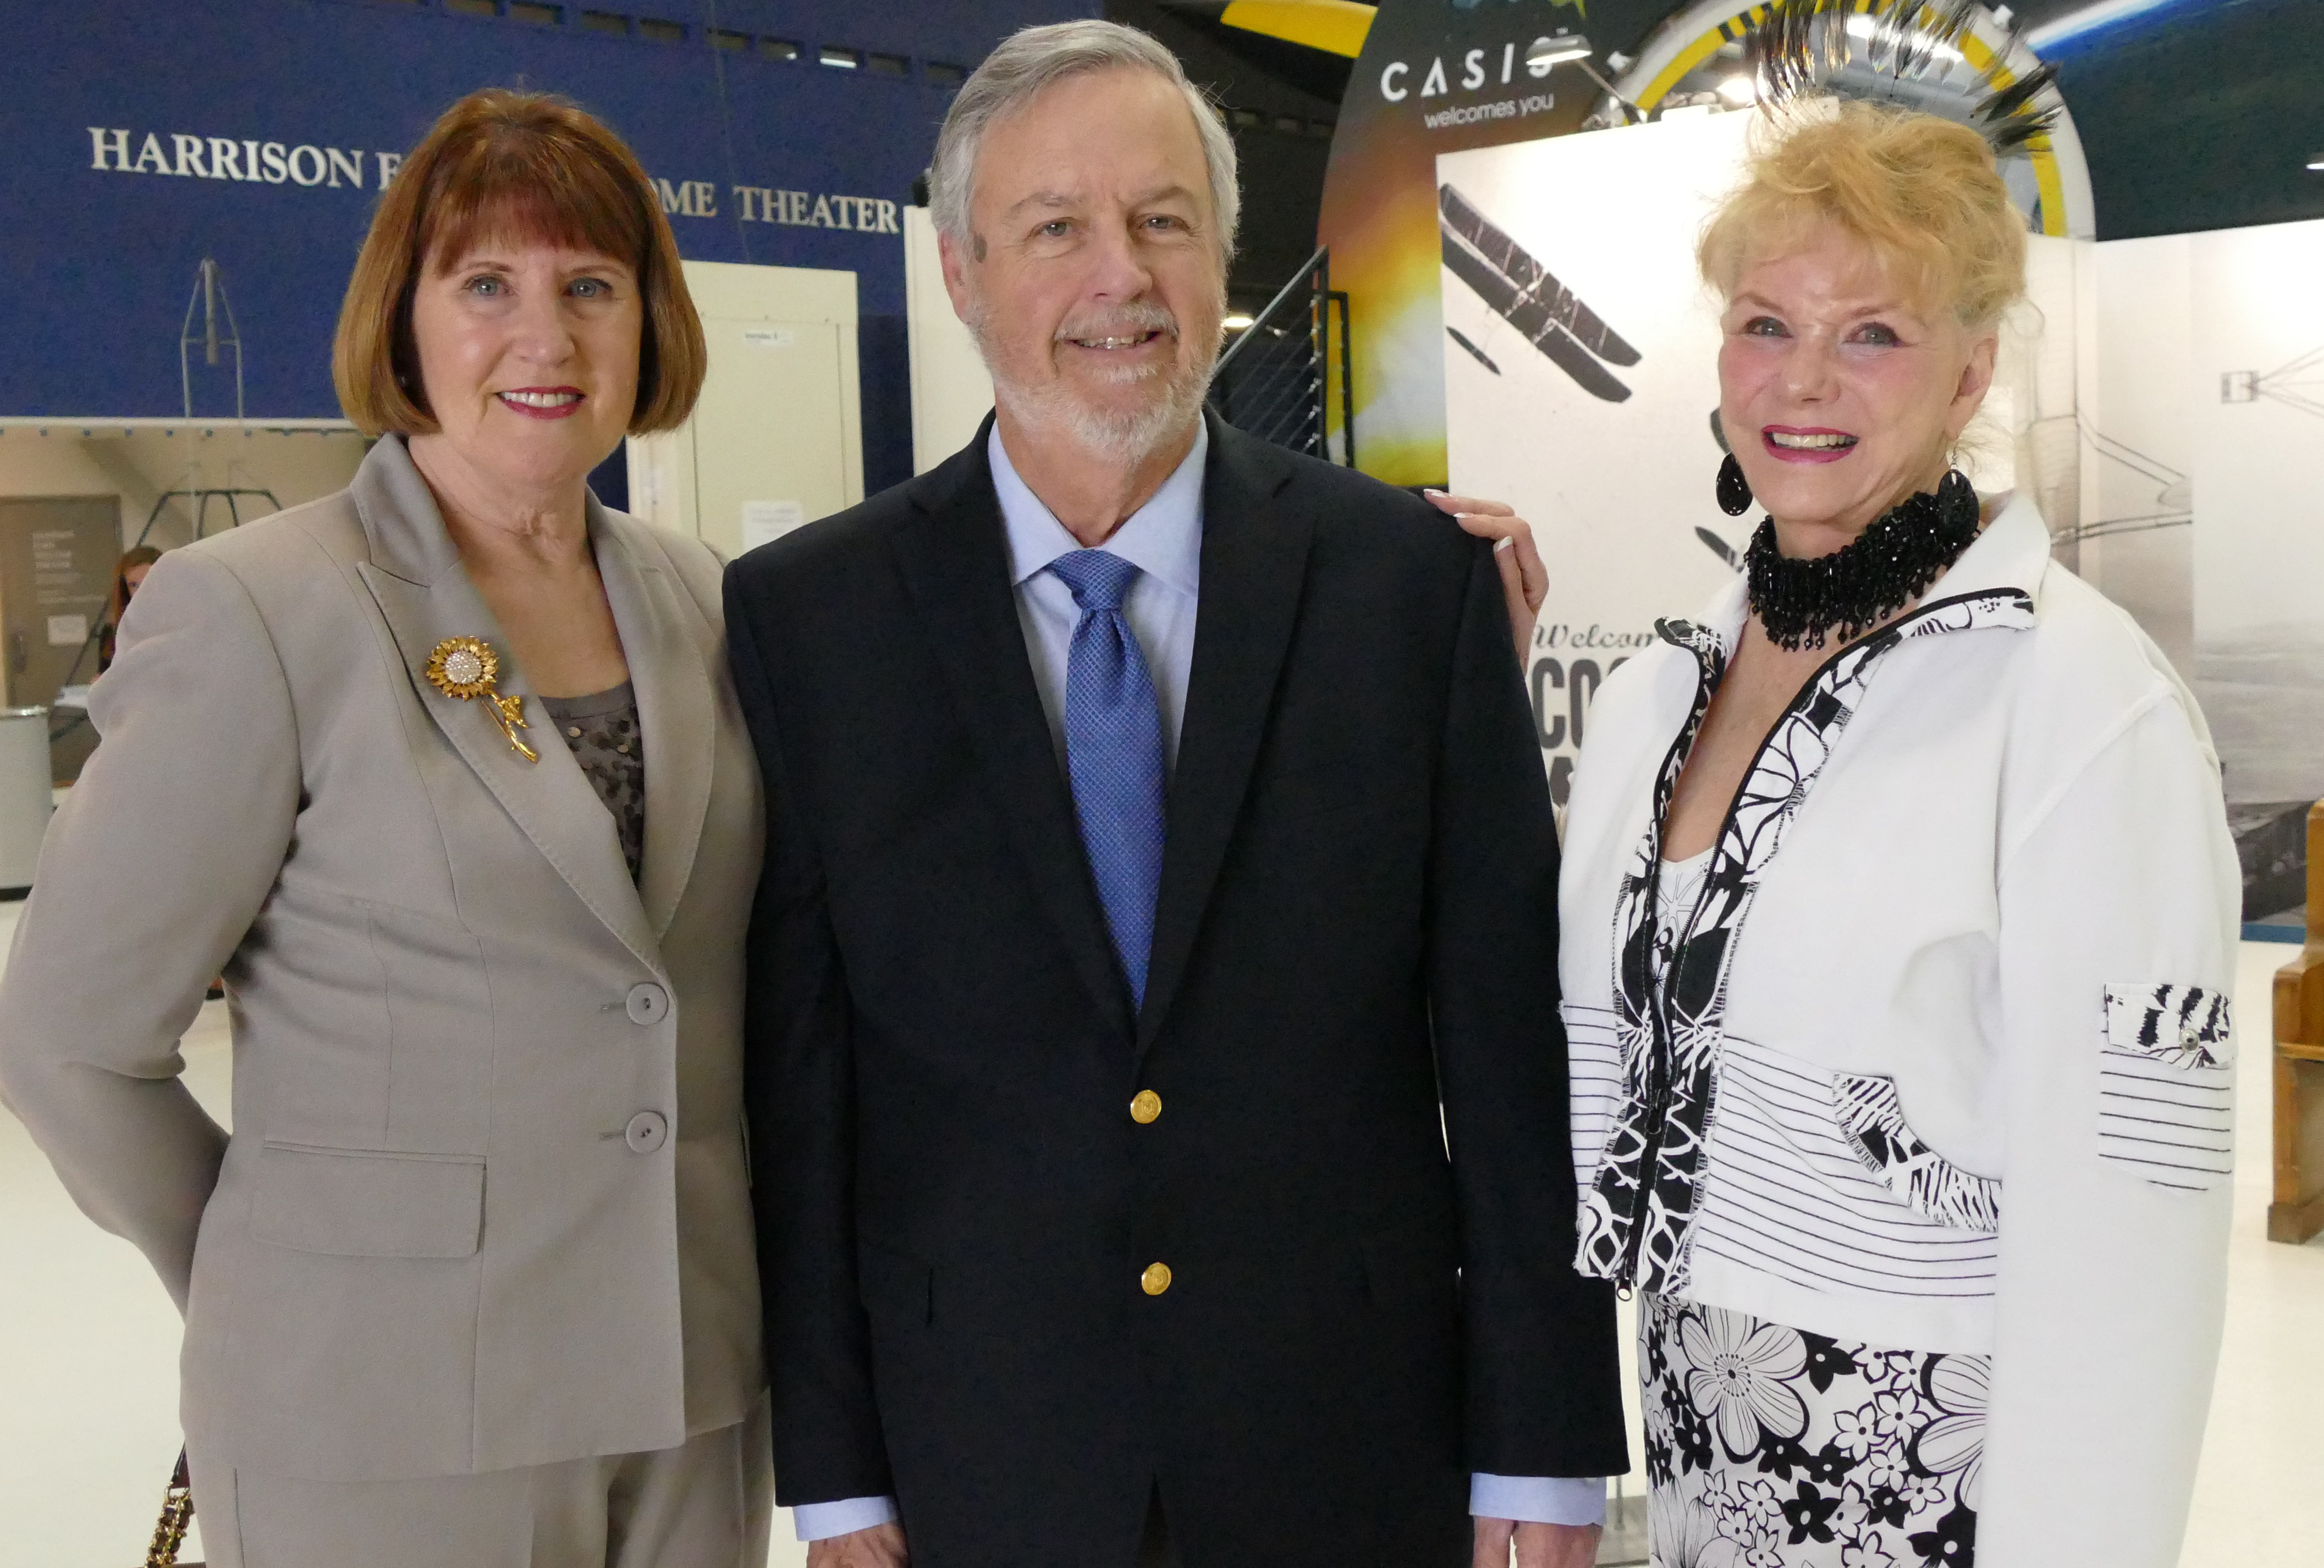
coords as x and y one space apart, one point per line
1850 591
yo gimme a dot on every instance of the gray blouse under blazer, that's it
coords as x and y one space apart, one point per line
486 1203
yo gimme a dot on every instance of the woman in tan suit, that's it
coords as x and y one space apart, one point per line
444 774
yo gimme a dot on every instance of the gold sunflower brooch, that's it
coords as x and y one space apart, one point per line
465 668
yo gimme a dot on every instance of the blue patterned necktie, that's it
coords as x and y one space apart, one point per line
1113 751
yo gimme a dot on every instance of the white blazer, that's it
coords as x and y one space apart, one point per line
1953 1060
486 1203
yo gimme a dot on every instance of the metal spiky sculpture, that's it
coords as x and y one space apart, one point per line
1906 51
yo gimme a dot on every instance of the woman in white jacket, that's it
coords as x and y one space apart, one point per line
1899 912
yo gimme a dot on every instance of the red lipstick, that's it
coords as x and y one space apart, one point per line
542 402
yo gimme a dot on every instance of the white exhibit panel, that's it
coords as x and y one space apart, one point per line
1617 488
2256 401
951 392
777 439
2203 452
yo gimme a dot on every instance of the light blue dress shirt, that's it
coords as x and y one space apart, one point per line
1164 539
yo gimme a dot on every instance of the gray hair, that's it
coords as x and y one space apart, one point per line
1031 60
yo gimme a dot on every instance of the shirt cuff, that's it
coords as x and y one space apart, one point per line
1537 1500
821 1521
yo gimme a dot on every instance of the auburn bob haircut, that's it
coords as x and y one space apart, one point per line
502 165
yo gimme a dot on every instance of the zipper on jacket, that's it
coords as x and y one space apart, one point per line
1658 1086
1657 1089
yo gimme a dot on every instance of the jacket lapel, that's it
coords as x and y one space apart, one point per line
1254 565
668 644
954 562
415 576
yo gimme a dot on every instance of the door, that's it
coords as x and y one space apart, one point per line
769 450
57 559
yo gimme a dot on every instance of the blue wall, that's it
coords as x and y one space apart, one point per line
98 261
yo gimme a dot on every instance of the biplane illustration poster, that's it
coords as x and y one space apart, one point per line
1580 374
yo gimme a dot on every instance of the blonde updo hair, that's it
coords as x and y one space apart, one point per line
1919 191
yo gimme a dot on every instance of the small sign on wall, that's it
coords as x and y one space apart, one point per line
68 631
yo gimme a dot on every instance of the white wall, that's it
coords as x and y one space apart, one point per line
951 390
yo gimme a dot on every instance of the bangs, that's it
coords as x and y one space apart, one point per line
528 186
502 166
1908 260
1921 193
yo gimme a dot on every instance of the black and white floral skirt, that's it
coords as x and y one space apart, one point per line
1771 1447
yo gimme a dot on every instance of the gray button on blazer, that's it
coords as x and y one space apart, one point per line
482 1207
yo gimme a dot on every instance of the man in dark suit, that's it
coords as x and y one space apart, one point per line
1157 841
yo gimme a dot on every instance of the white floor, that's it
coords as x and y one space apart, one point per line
88 1344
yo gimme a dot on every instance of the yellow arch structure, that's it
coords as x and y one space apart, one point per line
1732 30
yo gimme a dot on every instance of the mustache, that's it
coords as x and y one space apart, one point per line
1121 321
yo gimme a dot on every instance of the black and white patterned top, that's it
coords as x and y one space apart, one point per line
601 732
1670 979
1937 1061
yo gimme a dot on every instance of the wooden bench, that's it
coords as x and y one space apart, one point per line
2298 1211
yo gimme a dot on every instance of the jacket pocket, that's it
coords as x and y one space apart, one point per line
1915 1175
1791 1191
2166 1085
368 1202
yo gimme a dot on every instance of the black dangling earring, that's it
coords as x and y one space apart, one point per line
1734 490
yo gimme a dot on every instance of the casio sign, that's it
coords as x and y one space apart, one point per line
1539 58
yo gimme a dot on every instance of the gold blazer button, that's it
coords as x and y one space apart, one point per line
1146 1108
1156 1279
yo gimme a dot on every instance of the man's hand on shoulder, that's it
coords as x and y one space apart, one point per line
1535 1545
880 1546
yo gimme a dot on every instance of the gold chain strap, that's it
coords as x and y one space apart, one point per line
177 1512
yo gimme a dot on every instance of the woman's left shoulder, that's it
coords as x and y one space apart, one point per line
2084 642
696 565
2089 668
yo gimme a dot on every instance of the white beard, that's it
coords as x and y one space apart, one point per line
1115 435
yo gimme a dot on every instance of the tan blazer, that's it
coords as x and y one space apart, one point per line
486 1203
